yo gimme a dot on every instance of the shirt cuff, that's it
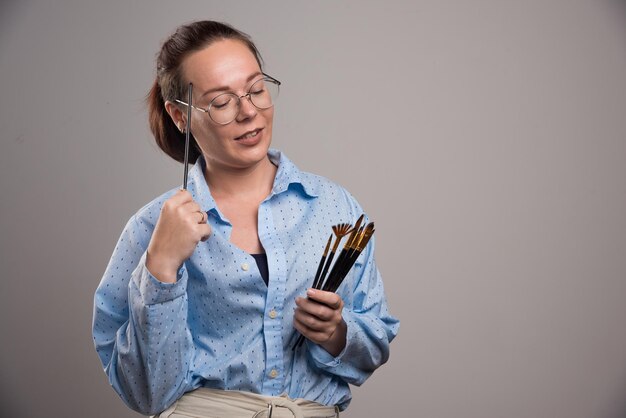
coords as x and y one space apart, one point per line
323 358
152 290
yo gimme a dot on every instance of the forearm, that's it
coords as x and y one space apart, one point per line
150 354
151 361
366 348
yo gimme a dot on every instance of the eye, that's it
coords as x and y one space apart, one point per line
221 101
257 88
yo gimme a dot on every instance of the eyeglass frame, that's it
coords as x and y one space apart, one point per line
247 95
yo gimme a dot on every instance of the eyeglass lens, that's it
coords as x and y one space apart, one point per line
225 107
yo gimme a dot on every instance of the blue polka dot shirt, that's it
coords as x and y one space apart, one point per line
219 325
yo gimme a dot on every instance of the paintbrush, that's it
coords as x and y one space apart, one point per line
357 241
187 133
317 280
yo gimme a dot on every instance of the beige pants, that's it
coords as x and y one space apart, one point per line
213 403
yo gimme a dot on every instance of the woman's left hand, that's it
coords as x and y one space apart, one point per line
318 318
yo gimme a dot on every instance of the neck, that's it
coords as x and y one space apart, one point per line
253 181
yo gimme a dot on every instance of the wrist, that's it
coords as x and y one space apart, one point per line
337 342
162 269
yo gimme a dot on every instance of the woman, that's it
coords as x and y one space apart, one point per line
207 289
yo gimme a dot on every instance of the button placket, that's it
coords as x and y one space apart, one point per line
273 384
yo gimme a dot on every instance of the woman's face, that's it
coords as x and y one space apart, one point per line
227 66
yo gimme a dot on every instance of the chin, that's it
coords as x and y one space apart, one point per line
251 156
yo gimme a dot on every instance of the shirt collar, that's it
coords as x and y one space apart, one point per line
286 175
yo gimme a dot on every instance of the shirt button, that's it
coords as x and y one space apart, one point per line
273 373
273 314
245 266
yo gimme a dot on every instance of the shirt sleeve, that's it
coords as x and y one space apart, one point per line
140 326
370 326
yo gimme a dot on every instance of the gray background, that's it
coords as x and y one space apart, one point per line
487 139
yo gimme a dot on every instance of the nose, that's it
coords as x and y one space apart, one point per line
246 109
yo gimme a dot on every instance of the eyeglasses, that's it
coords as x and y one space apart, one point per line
225 108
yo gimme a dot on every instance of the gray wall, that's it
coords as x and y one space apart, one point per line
487 139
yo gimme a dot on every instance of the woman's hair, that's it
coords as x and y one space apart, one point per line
169 83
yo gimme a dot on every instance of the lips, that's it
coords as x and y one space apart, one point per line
249 135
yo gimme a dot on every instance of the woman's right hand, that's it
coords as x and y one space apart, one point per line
181 225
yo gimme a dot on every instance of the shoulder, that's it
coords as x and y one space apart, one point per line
314 186
331 194
323 186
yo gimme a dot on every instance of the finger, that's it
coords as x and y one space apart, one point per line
312 322
192 211
317 309
330 299
201 217
191 206
205 231
181 196
175 201
313 335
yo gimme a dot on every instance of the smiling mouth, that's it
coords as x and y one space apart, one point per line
249 135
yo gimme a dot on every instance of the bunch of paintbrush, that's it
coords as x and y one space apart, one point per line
359 236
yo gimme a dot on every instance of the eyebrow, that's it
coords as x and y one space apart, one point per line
226 88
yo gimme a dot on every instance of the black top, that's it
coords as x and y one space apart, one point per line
261 262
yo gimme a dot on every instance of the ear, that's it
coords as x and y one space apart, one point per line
178 116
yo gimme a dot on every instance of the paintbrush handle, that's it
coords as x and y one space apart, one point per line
351 259
187 133
317 273
338 265
326 267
